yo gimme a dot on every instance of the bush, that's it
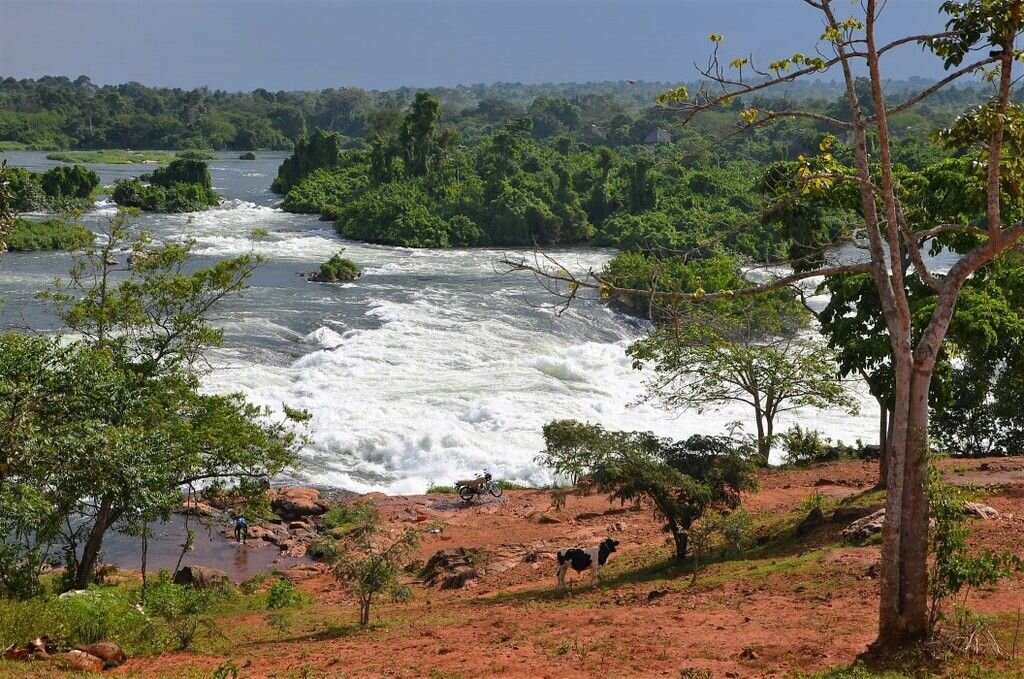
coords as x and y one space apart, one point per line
283 594
440 490
338 269
324 549
182 608
351 520
180 197
248 155
51 234
75 182
807 446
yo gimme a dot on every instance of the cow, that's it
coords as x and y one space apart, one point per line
579 559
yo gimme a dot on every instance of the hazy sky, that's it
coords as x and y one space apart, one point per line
306 44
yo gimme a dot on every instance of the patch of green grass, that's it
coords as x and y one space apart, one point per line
112 157
351 519
51 234
512 485
13 146
440 490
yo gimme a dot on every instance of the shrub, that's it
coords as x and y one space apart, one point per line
807 446
51 234
815 500
351 520
324 549
954 568
75 182
338 269
248 155
283 594
182 608
440 490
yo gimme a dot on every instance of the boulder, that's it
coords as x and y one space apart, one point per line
451 568
848 514
200 576
980 511
200 509
107 651
810 523
86 662
861 529
295 502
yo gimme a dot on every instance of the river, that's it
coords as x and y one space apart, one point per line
430 367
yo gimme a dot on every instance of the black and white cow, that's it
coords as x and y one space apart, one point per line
579 559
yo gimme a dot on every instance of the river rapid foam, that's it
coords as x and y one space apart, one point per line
430 367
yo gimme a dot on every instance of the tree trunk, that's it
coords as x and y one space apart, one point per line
91 552
903 614
883 443
681 538
763 448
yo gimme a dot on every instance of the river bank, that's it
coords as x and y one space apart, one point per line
791 605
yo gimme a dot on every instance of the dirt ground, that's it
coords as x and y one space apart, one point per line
797 609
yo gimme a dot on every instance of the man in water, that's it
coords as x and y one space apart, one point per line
241 530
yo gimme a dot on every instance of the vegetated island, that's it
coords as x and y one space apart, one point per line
184 185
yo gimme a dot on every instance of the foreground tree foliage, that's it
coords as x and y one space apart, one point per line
980 38
104 432
681 479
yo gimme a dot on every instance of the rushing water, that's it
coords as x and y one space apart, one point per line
430 367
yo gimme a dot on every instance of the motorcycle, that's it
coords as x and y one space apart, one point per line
478 486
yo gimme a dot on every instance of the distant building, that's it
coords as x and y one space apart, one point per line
658 136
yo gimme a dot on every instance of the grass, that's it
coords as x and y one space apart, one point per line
13 146
112 156
440 490
51 234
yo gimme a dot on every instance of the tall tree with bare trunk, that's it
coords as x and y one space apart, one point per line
979 40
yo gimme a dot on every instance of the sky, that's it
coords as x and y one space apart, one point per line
379 44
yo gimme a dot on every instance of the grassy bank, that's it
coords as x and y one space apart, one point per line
113 157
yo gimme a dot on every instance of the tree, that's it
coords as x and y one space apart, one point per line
979 38
370 566
416 137
682 480
697 369
106 431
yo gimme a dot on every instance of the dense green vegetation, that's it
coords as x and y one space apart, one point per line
59 188
51 234
337 269
184 185
123 400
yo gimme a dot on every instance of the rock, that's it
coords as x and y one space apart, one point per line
586 516
107 651
978 510
810 523
825 482
861 529
848 514
871 451
749 654
201 509
300 525
200 576
295 502
547 518
80 660
656 594
452 568
617 527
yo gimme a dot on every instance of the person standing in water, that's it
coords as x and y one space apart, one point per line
241 530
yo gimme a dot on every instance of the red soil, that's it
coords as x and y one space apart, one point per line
800 611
